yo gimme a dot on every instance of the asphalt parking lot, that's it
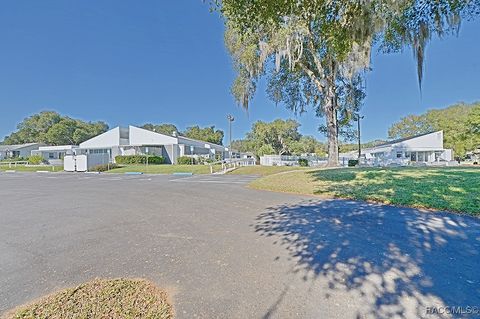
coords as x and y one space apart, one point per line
222 250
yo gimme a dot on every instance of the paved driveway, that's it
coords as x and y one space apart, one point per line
224 251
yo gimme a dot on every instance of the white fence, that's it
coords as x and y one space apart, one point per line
290 160
231 164
14 164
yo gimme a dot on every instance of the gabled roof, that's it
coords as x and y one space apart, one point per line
403 139
139 136
199 141
15 147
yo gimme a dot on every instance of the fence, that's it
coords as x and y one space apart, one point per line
290 160
230 164
14 164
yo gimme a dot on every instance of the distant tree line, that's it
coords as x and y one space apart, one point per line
460 124
207 134
278 137
49 127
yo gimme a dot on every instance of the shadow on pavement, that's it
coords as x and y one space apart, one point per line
398 261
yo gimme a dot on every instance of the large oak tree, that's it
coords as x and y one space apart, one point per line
313 52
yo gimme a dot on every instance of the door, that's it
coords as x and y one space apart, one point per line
69 163
81 163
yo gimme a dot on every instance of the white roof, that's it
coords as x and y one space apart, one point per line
427 141
57 147
17 146
135 136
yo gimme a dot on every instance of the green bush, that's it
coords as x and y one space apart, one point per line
103 167
352 163
185 160
36 159
139 159
303 162
14 159
155 160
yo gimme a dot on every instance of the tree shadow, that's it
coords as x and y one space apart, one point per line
398 260
455 189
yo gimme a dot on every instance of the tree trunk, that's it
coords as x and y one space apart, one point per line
332 129
330 106
330 109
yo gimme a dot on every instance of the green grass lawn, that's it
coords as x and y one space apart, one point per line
23 168
115 298
264 170
448 188
164 169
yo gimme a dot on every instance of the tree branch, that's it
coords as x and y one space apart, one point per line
312 76
316 60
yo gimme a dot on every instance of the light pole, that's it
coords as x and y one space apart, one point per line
230 119
358 133
146 159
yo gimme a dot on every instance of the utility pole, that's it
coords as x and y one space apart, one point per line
358 133
230 119
146 159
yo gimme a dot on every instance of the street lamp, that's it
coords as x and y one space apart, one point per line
358 134
230 119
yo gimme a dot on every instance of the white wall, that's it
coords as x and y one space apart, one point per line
104 140
60 148
140 136
447 155
200 144
432 141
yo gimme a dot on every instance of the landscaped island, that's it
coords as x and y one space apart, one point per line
447 188
114 298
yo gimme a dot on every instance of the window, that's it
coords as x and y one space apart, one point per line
51 155
421 156
399 154
413 157
98 151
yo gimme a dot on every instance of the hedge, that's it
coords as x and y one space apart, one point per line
139 159
185 160
303 162
103 167
352 163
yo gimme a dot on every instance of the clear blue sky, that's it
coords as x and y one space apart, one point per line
130 62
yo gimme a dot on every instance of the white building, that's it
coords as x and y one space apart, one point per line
18 151
133 140
54 155
424 149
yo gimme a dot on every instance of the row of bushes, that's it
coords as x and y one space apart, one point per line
103 167
186 160
139 159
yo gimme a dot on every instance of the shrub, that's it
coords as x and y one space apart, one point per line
155 160
207 160
185 160
103 167
139 159
352 163
36 159
303 162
